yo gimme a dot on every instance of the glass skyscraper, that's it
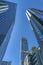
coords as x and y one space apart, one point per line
33 58
7 21
35 16
23 50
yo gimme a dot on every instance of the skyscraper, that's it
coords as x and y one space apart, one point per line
23 50
7 21
33 58
28 59
36 57
35 17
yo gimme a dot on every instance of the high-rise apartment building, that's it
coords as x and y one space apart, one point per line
36 57
23 50
33 58
7 21
35 17
28 59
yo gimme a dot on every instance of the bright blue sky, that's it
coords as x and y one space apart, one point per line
21 29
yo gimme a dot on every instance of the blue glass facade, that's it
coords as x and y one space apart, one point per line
5 63
37 25
23 49
36 20
7 21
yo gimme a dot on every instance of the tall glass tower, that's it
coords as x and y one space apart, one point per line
35 16
23 50
7 21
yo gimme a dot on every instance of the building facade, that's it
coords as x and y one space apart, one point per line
33 58
35 17
7 21
3 7
36 57
23 50
28 59
5 63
